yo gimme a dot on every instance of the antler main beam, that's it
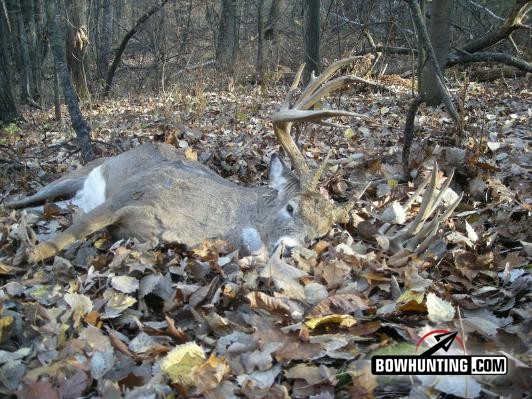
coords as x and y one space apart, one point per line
288 114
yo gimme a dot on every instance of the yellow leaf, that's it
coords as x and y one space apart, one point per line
411 295
411 301
392 183
191 154
178 363
208 375
348 133
102 243
5 323
343 320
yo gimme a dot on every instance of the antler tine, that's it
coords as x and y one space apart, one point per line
296 115
426 208
316 82
293 87
308 101
310 181
299 112
426 205
430 229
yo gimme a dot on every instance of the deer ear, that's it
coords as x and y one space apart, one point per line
280 176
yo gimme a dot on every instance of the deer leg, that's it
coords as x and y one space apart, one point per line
87 223
61 188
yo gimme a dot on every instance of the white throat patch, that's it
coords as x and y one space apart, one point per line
251 240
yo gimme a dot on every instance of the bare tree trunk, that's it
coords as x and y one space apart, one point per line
124 42
105 40
21 46
423 35
311 16
29 37
186 32
57 101
227 45
424 41
57 39
40 47
439 28
8 107
271 32
421 54
260 41
76 47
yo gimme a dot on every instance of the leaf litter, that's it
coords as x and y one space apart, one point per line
112 319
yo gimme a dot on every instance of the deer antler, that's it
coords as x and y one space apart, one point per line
317 88
415 237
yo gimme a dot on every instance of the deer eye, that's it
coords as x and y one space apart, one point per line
290 209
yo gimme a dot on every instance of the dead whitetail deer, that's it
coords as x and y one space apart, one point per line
155 194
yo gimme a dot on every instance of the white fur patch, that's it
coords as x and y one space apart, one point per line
251 239
93 192
287 242
277 180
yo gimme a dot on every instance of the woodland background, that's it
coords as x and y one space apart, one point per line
441 80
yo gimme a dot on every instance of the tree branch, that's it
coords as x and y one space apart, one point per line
387 49
512 22
124 42
465 58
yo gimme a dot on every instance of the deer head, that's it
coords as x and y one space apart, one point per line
315 211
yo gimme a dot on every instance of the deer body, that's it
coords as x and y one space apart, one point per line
155 194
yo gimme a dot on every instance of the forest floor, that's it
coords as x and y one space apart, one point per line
110 319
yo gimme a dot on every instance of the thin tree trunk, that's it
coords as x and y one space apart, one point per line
8 107
271 32
425 40
76 47
227 45
57 101
105 39
30 39
20 46
421 54
124 42
184 38
40 47
57 40
260 41
311 16
439 29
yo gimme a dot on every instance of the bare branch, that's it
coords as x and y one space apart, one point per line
462 57
485 9
513 21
